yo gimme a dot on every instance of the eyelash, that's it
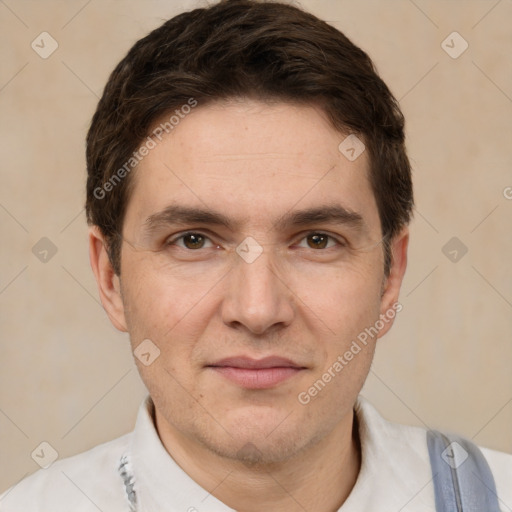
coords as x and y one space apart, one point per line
173 240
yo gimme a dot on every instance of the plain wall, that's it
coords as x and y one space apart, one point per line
67 376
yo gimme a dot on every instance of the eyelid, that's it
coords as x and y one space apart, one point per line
171 240
340 240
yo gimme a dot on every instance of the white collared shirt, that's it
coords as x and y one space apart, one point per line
395 475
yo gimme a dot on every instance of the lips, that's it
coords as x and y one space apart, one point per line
252 373
256 364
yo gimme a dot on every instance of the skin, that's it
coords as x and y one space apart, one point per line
254 163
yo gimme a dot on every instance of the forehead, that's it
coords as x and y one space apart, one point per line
251 159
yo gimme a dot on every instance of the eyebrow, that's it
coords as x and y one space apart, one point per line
176 214
335 214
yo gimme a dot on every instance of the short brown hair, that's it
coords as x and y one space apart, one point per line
237 49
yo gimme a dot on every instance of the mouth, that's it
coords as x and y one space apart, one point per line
252 373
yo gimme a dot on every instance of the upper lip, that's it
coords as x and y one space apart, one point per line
250 363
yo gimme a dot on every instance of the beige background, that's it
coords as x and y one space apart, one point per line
67 377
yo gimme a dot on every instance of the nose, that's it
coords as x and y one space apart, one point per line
257 297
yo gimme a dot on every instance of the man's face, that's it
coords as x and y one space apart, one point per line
244 326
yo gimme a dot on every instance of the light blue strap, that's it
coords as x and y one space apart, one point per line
463 481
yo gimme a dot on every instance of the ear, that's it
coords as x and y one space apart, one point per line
389 301
108 282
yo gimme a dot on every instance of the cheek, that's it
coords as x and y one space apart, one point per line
345 299
159 310
158 297
350 310
172 311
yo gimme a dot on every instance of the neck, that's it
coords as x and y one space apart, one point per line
319 478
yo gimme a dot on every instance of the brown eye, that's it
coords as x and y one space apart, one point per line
317 241
193 241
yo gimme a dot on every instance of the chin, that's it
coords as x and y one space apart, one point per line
259 439
258 452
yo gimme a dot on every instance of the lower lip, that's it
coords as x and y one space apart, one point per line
254 378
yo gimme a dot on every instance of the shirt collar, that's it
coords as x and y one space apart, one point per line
161 484
395 469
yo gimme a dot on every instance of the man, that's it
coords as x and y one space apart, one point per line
249 194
